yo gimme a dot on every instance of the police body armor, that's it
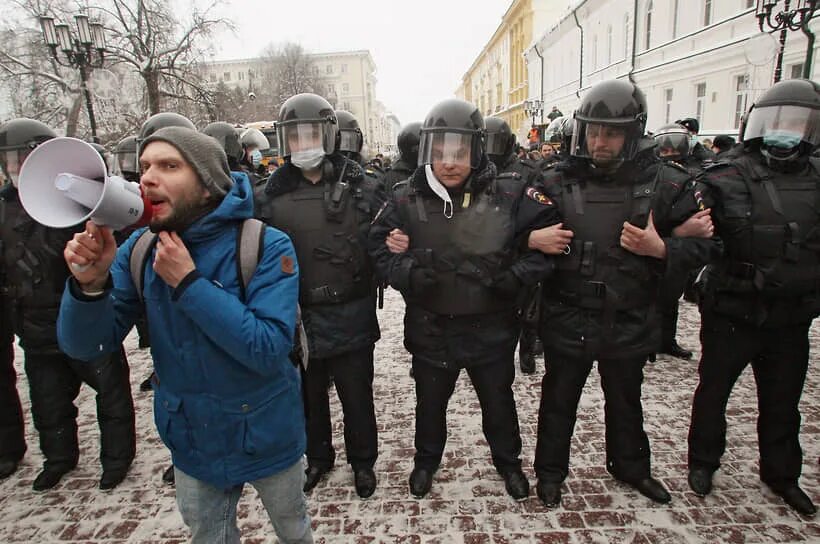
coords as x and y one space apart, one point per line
468 250
34 274
772 235
326 222
596 273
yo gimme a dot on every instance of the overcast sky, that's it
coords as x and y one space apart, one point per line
421 47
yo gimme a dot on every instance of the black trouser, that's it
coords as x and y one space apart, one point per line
54 382
672 289
627 447
353 377
499 419
526 345
12 434
779 359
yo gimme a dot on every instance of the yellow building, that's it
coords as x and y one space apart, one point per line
497 80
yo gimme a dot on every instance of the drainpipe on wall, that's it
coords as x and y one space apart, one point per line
634 41
541 93
581 64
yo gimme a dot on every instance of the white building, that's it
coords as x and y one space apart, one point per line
692 58
347 79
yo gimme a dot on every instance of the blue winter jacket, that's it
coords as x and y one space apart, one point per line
227 399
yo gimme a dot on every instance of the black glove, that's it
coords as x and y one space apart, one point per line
506 283
422 279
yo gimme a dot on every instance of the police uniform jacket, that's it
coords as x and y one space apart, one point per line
464 319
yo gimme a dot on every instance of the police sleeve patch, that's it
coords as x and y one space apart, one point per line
538 196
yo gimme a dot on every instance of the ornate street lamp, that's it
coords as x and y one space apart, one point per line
85 51
794 16
532 108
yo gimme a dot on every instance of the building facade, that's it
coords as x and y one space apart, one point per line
497 81
692 58
347 79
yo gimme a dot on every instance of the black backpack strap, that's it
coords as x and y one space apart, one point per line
250 245
138 260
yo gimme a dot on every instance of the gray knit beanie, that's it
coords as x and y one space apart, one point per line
202 152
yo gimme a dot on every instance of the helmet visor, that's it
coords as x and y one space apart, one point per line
350 141
604 144
793 120
254 139
446 147
11 161
305 137
497 143
672 145
127 162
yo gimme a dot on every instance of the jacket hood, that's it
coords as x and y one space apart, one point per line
237 205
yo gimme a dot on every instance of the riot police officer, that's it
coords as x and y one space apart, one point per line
408 143
696 149
761 297
35 274
125 159
616 200
500 145
325 203
228 139
350 143
461 278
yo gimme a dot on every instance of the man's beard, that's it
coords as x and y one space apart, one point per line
183 216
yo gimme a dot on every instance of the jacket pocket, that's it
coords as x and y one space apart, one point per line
171 422
271 425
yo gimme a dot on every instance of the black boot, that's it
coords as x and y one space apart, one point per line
516 484
168 476
549 493
675 350
313 475
365 480
49 477
112 478
145 386
797 499
421 481
700 480
7 468
651 489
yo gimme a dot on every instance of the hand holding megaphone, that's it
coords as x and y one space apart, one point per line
89 256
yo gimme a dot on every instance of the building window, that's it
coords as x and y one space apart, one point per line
344 68
346 87
329 69
609 44
700 101
796 71
626 35
240 76
594 53
213 78
741 97
648 29
498 94
668 112
315 70
346 106
750 3
226 76
675 19
707 12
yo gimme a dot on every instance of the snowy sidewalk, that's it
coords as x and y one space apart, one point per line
467 503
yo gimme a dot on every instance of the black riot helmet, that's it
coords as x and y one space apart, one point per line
610 109
500 139
18 138
103 152
453 131
672 142
784 122
408 142
125 154
306 122
162 120
554 133
226 135
350 138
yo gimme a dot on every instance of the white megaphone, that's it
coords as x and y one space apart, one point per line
64 182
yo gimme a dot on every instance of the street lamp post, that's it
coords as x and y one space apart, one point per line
788 18
85 51
532 108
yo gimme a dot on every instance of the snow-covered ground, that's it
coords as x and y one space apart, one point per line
468 503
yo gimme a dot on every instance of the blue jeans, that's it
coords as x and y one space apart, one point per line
210 512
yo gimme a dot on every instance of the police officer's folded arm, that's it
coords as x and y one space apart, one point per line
394 268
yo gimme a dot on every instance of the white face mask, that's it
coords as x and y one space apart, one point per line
440 190
307 160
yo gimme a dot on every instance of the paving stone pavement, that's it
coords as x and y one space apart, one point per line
467 503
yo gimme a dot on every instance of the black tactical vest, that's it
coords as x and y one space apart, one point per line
467 250
596 272
772 230
326 222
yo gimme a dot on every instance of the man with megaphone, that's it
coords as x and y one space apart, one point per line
33 278
227 399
